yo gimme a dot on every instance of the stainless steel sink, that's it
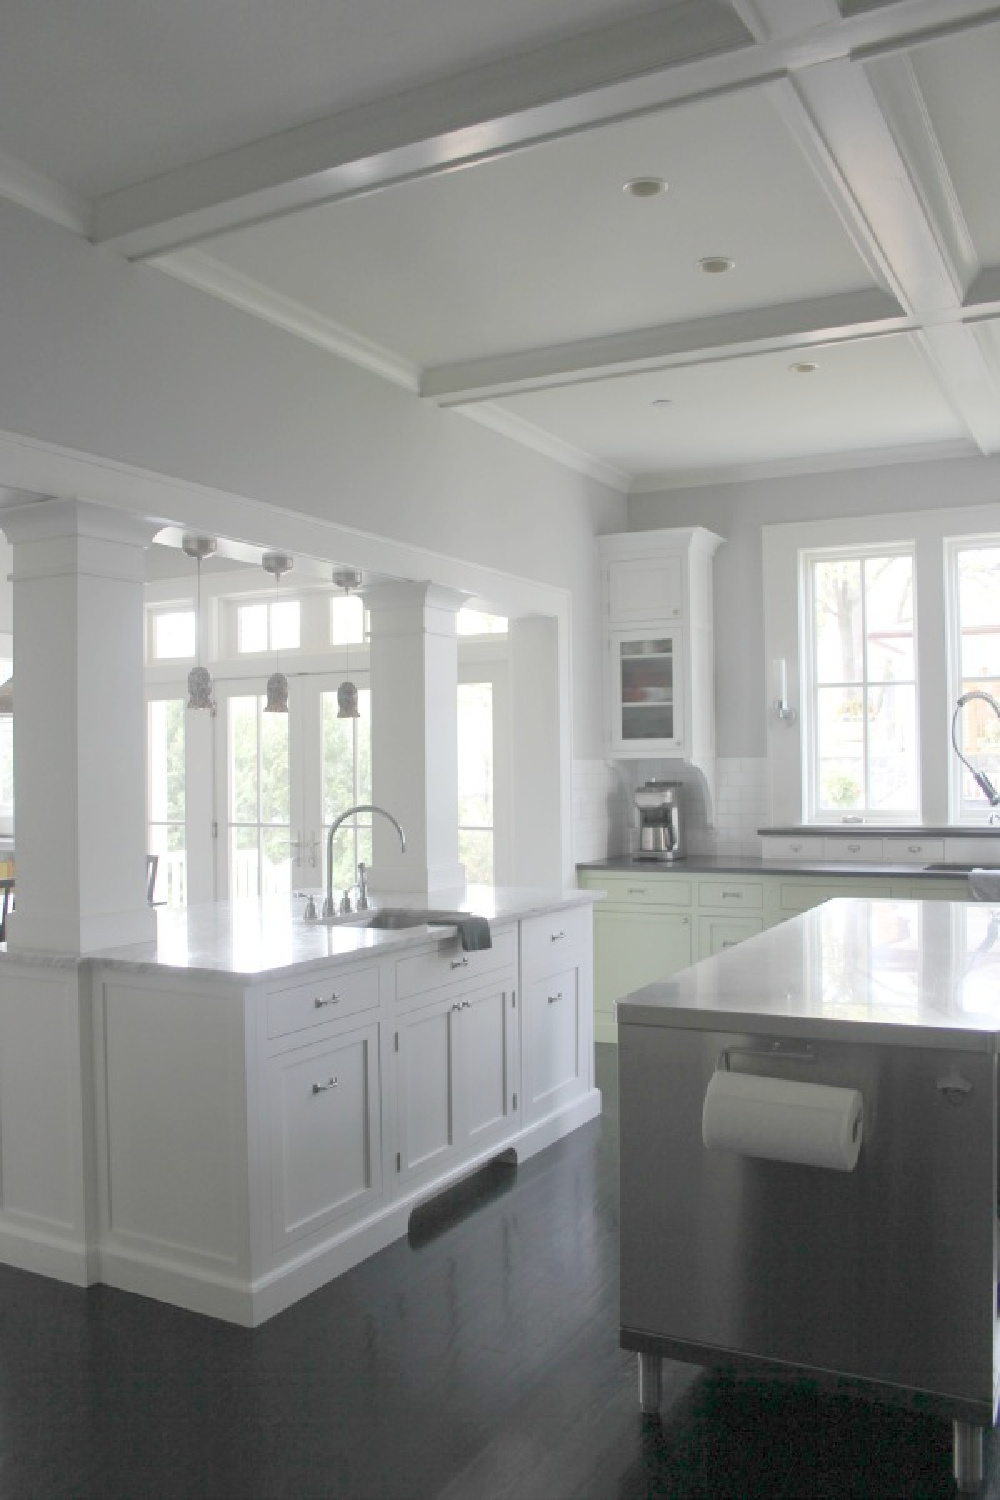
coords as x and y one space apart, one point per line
392 918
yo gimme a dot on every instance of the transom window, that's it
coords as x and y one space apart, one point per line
172 634
860 730
273 625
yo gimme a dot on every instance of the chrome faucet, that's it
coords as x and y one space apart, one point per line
981 779
329 905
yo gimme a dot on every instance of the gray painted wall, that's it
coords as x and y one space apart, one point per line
738 512
127 363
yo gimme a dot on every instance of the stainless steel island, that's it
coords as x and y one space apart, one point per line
882 1270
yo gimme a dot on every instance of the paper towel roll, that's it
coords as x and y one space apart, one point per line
809 1123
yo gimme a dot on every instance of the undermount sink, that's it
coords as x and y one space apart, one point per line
391 918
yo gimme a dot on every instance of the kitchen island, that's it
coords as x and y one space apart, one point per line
882 1272
233 1114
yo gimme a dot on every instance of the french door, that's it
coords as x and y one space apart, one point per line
281 779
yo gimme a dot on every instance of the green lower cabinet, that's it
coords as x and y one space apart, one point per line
633 948
640 936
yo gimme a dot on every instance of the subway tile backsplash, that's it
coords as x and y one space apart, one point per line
604 816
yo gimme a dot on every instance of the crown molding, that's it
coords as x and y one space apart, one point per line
539 441
203 271
822 463
43 195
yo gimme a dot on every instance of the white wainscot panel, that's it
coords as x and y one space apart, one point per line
176 1136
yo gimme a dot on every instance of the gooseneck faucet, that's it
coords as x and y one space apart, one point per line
981 779
329 905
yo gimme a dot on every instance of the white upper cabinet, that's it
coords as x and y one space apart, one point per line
660 677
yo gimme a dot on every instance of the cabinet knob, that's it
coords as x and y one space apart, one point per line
321 1088
460 963
319 1002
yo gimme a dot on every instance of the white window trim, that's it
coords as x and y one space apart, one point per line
930 531
812 813
978 815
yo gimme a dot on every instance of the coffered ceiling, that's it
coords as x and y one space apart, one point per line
435 189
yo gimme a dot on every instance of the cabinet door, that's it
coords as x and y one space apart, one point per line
645 588
633 948
646 687
718 932
487 1058
425 1088
555 1060
324 1130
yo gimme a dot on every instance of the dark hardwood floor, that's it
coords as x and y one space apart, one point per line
478 1360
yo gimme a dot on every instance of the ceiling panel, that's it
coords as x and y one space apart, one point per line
960 82
543 247
111 92
865 395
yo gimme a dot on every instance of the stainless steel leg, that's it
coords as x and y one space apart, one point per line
650 1383
968 1455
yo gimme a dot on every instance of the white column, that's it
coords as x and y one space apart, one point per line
414 687
79 727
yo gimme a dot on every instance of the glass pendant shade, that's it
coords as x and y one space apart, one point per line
277 694
201 693
347 693
276 563
347 701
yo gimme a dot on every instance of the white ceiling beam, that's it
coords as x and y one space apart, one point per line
968 377
676 53
790 326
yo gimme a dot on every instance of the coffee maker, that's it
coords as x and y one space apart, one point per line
659 807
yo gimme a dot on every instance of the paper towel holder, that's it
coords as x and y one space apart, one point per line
777 1050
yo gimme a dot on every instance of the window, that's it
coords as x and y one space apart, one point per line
171 634
975 580
861 722
476 622
475 781
166 799
347 781
259 823
272 626
348 620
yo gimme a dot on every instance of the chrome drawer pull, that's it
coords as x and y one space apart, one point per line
460 963
321 1088
732 895
637 890
555 936
319 1002
554 998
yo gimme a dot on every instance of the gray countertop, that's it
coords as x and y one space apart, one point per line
730 864
912 973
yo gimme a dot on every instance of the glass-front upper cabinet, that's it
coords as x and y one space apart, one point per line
647 689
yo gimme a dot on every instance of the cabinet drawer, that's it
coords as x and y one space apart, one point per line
325 996
799 896
794 846
555 941
855 849
446 963
645 889
731 895
901 851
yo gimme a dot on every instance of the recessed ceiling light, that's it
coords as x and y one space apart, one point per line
803 367
715 265
644 187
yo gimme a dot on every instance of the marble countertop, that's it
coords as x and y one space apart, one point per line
916 973
735 864
261 938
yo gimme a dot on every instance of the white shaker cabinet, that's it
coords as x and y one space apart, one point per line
657 591
556 1010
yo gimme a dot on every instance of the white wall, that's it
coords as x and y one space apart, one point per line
739 511
124 362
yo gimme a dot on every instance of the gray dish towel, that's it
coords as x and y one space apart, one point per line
474 931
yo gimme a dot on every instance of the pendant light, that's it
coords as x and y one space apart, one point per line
347 693
200 688
276 563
